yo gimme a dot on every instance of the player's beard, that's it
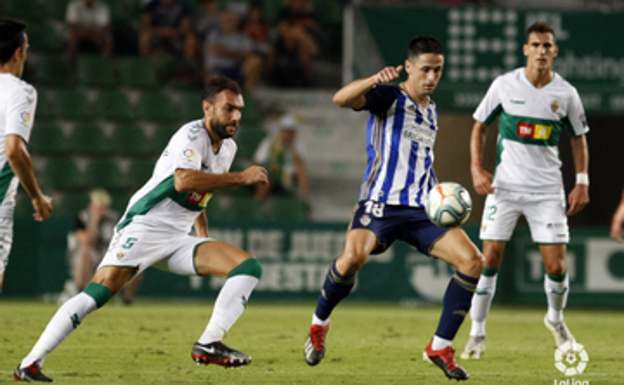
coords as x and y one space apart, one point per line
220 128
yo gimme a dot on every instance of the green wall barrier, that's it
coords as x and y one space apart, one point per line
295 258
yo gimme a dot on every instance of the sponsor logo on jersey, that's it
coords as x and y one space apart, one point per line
535 131
516 101
121 254
188 154
554 106
199 198
365 220
25 116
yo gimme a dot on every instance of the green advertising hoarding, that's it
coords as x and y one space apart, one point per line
295 258
482 43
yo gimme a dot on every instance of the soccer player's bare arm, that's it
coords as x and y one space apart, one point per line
579 196
22 166
481 179
352 95
194 180
201 225
617 221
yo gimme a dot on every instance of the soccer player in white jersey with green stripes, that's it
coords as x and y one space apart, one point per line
534 106
154 231
18 101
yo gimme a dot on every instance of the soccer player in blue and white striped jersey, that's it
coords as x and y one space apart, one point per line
401 134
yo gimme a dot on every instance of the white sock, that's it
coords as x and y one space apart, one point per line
481 302
317 321
66 319
230 305
439 343
557 297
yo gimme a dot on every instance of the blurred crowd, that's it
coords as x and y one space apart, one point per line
235 40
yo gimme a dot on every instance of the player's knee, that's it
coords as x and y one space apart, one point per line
251 266
556 268
351 262
472 264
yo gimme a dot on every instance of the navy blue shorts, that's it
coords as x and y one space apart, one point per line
389 223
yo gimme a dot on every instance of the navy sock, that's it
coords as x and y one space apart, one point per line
335 288
457 300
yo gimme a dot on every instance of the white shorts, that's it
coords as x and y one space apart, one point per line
6 241
139 246
545 214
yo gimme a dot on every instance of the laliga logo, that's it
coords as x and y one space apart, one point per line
571 358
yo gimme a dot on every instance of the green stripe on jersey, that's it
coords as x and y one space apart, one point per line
490 119
535 131
165 189
148 201
6 176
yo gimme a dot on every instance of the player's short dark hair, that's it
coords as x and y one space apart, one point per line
11 38
218 84
540 27
424 44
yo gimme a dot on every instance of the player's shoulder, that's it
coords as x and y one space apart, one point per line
15 85
560 82
390 90
192 131
512 76
229 145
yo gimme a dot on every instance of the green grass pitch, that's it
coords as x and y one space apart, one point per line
150 343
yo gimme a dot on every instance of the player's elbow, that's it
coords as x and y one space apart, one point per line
13 147
182 181
339 101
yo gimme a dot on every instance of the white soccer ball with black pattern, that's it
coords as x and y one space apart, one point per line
448 205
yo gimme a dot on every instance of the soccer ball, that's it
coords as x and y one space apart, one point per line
448 205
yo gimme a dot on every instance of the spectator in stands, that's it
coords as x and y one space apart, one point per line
229 52
167 23
89 24
283 155
88 243
299 34
261 34
206 18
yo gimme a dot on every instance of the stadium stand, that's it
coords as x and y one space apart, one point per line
53 71
62 174
48 140
156 107
130 140
105 173
72 105
89 139
96 71
138 73
115 106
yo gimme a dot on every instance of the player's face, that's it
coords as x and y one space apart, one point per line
224 115
424 72
540 51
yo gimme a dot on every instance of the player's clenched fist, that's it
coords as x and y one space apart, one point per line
255 174
388 74
43 207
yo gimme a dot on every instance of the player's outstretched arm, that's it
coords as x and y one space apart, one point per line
352 95
618 221
579 196
22 166
195 180
481 179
